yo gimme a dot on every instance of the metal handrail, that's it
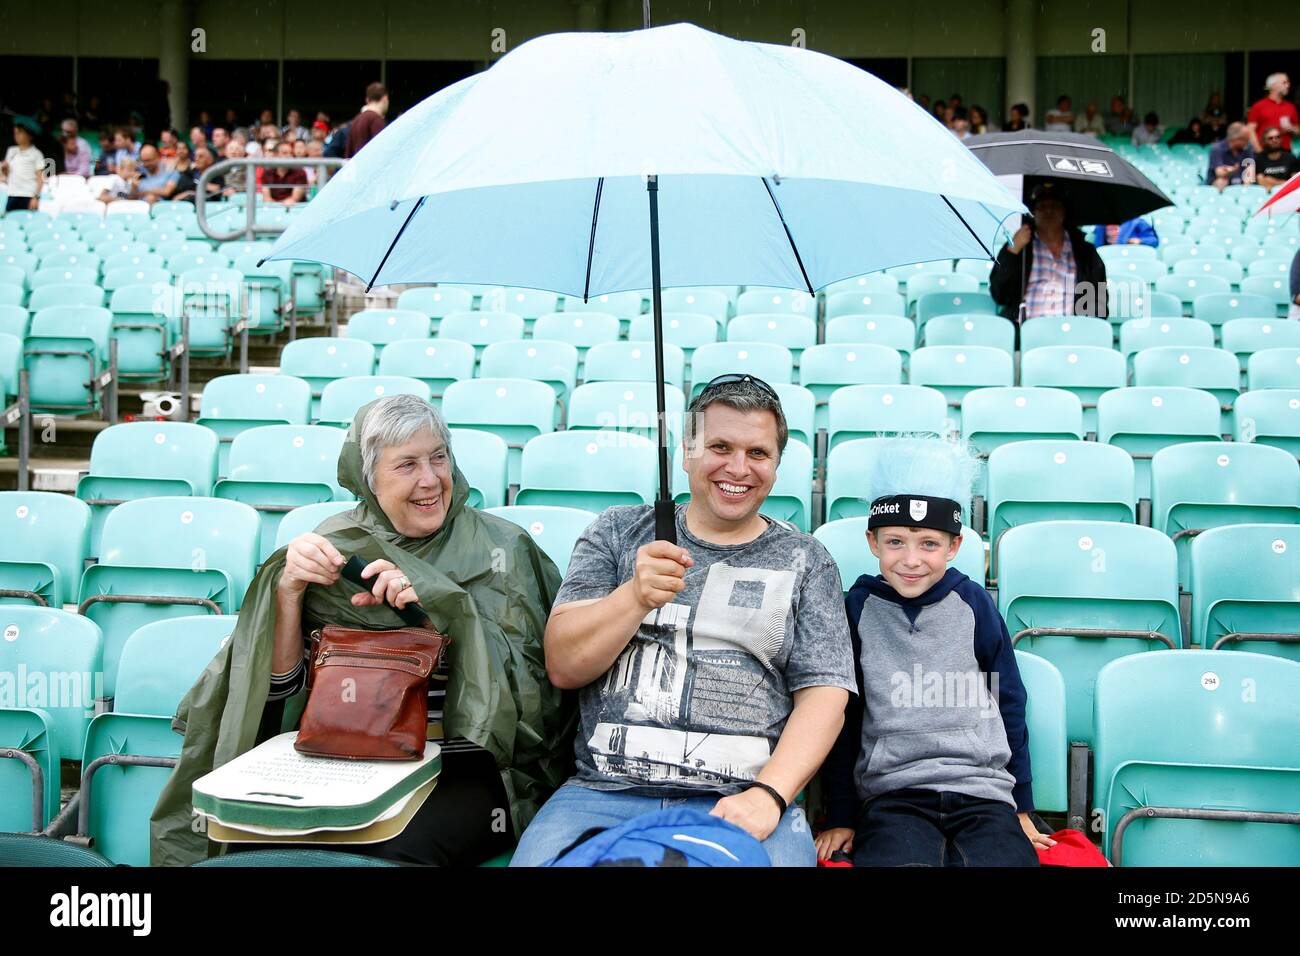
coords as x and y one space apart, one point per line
323 164
1191 813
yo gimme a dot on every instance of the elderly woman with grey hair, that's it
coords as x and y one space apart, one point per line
505 731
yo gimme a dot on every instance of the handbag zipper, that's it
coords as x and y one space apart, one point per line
324 655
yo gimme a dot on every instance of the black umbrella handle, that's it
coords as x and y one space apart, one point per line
665 520
413 615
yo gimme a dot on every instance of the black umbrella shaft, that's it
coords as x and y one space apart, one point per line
665 517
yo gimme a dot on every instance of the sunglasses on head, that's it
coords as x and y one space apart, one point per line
733 377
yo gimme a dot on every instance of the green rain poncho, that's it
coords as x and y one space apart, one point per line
481 579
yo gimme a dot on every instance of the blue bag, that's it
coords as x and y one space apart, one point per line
673 837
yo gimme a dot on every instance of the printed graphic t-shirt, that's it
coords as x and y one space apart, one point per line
700 695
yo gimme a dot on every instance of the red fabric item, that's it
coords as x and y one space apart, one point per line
1072 849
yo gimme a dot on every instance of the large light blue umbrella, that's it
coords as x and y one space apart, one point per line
592 163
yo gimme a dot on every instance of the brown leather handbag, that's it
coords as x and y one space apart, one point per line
369 693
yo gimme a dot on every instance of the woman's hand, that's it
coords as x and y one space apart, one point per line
311 559
833 840
391 586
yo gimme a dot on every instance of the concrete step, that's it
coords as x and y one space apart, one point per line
45 474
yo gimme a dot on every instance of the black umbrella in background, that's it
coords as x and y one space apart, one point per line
1100 185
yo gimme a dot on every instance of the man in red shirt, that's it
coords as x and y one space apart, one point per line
1274 110
284 184
367 124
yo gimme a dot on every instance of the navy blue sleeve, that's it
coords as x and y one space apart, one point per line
995 655
839 791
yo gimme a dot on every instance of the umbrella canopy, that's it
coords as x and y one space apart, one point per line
1286 199
776 166
589 163
1101 186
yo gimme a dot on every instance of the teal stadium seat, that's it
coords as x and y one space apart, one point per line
971 329
319 361
1271 285
962 291
435 301
556 530
14 320
526 303
868 302
625 305
992 417
1188 287
1244 589
635 362
234 403
1144 419
1212 370
582 330
1138 334
63 276
686 330
868 411
776 301
1203 485
846 540
1274 368
1218 309
480 329
891 331
44 543
44 715
212 299
135 275
710 302
163 558
307 519
121 773
436 363
825 369
381 326
541 360
1269 416
144 460
1230 272
588 470
341 399
65 352
848 467
80 295
627 407
1244 337
145 324
276 468
1197 761
515 409
1083 593
1085 370
800 410
1069 330
956 369
484 460
1045 720
1057 480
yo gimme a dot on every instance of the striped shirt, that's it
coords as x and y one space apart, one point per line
1050 290
284 686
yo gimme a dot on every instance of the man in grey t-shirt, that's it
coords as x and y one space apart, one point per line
712 673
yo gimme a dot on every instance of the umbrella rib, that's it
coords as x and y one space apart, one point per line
963 221
591 245
785 225
393 244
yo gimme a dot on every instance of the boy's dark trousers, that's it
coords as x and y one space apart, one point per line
939 828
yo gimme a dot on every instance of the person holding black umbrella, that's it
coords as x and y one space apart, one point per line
1048 267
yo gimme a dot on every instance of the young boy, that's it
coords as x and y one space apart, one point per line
932 765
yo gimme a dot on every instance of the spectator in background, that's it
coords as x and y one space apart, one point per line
104 162
218 142
1275 165
236 178
1135 232
24 167
1213 118
1191 133
183 167
1090 122
293 129
366 125
167 147
1119 121
1274 110
185 191
1232 159
1051 263
1019 118
315 149
205 124
121 183
232 119
1060 119
286 185
979 120
266 119
924 102
76 151
90 116
156 182
1150 132
198 137
124 147
940 111
320 130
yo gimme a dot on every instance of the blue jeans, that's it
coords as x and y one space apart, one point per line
940 828
574 809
